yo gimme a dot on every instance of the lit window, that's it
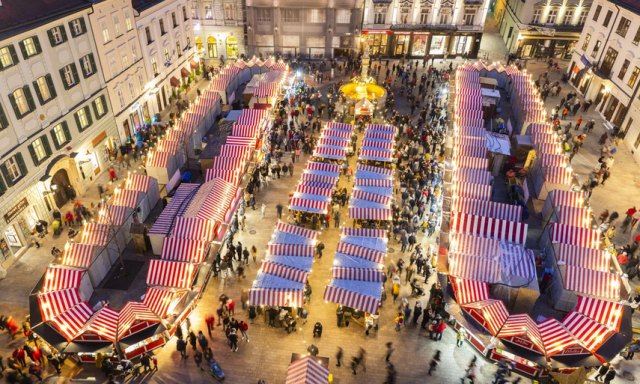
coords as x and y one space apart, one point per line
154 66
59 135
127 21
30 46
83 119
38 150
228 12
178 48
105 32
6 59
141 81
56 36
125 58
21 101
100 107
121 99
113 66
208 11
166 55
195 14
134 51
76 27
132 92
343 16
116 25
634 77
87 65
12 169
43 88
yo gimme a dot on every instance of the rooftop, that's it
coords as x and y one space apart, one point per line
19 16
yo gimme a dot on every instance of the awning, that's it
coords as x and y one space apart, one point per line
194 65
184 72
307 370
174 82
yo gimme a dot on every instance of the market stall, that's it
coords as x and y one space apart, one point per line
161 166
176 207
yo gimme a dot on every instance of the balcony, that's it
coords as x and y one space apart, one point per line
412 26
375 26
559 27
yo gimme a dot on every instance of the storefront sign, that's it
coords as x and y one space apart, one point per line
13 212
376 32
99 138
421 33
401 33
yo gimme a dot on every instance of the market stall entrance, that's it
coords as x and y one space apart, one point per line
61 181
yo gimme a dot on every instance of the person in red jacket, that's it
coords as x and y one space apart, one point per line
19 355
211 322
232 306
244 327
440 330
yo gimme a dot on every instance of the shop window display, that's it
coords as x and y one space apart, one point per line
419 45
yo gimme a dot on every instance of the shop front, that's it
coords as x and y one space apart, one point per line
20 219
419 44
560 48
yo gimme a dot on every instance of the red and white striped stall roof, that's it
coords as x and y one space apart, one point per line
376 155
355 300
192 118
582 237
516 260
591 282
291 250
477 268
388 145
470 163
279 66
555 337
361 252
297 202
241 140
229 175
309 190
200 108
249 120
339 126
136 182
381 128
258 113
379 135
170 273
266 90
295 230
233 163
245 130
540 138
549 148
476 176
577 217
131 313
470 113
553 160
558 175
489 227
324 167
190 251
126 198
59 277
284 271
373 182
469 151
71 321
175 209
537 115
236 151
523 331
604 312
568 198
175 135
328 132
359 194
471 141
307 371
360 274
490 313
487 208
370 168
54 303
330 152
218 201
318 178
210 95
280 297
103 323
363 232
370 213
472 245
168 146
158 159
218 84
470 131
78 255
538 127
269 62
472 191
328 141
160 299
589 258
469 91
589 332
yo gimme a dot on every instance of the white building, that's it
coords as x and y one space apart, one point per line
606 63
113 26
165 32
541 28
420 28
55 115
219 29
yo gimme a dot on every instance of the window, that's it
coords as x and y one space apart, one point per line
87 65
404 16
228 12
121 99
100 105
147 31
166 55
636 38
154 66
132 92
105 32
316 16
127 21
39 150
208 11
381 15
263 14
188 35
195 14
568 16
469 16
141 81
623 69
607 18
60 135
594 53
77 27
4 121
125 59
44 89
69 76
8 57
343 16
162 31
57 35
634 77
134 51
212 47
552 16
444 18
623 27
585 44
173 18
537 14
290 16
22 101
178 48
83 118
184 13
609 59
13 169
583 17
30 47
596 14
116 26
424 15
113 66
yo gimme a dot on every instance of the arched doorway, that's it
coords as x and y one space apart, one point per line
232 47
212 46
59 186
198 44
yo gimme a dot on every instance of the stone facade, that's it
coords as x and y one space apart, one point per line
219 28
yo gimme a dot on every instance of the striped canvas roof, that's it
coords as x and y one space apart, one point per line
170 273
307 371
137 182
126 198
363 232
168 146
476 268
555 337
469 291
191 251
95 234
58 277
78 255
175 135
176 208
490 313
522 326
352 299
71 321
589 332
590 282
296 230
54 303
160 299
132 312
103 323
158 159
276 296
489 228
361 252
583 257
284 271
604 312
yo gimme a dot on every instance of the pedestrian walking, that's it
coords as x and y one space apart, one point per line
390 350
395 290
154 360
244 327
610 376
202 341
279 208
145 360
460 337
434 362
471 373
233 340
197 357
339 357
602 371
263 210
181 346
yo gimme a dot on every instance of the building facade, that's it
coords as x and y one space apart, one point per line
543 28
219 28
165 33
420 28
55 115
316 30
120 56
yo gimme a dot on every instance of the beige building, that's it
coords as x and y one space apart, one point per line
219 28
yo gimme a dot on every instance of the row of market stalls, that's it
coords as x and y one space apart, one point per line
491 280
59 301
230 77
334 143
378 145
